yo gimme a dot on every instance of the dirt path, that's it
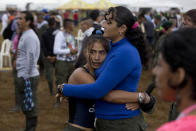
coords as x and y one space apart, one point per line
51 118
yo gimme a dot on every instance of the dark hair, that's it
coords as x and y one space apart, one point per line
51 21
87 20
87 43
123 15
157 16
179 50
167 24
192 15
29 17
66 22
141 15
97 38
94 14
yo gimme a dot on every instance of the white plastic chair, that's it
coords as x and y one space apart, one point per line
5 51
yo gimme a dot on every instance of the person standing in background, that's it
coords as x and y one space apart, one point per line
97 18
65 51
47 41
148 25
26 66
86 26
42 25
14 51
4 21
75 18
66 14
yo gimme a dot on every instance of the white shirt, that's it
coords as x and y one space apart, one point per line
62 44
28 55
4 20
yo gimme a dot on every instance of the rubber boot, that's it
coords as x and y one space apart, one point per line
31 124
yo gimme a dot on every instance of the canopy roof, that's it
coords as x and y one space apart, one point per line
82 5
76 4
103 4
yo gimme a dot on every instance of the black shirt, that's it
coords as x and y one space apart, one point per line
47 41
81 111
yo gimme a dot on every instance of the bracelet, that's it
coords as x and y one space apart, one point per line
145 96
140 98
60 89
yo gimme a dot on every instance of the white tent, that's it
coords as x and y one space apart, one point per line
186 4
151 3
34 4
182 4
157 3
53 4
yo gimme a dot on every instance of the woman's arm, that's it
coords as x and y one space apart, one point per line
121 97
111 76
131 99
79 76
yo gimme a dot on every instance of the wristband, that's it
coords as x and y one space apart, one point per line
140 98
60 89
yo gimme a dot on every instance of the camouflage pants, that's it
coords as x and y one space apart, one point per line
34 83
63 70
49 73
136 123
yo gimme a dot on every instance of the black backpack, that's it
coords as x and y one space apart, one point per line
7 33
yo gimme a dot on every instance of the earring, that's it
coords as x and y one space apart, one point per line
120 33
178 98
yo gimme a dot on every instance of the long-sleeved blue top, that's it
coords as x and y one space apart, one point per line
121 70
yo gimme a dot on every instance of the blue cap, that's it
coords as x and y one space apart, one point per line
45 10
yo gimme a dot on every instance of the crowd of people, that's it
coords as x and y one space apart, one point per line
99 74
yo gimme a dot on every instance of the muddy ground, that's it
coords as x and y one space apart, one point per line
53 119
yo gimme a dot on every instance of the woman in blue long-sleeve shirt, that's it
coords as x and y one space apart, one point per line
121 70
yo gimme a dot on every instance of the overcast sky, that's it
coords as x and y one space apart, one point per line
52 4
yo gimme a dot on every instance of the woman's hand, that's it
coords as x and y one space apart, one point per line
135 105
62 98
132 106
143 98
147 98
60 93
